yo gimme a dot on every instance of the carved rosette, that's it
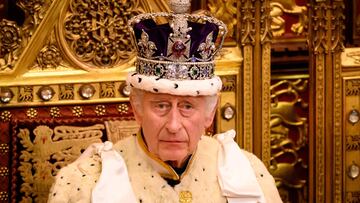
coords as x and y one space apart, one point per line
10 40
96 33
49 57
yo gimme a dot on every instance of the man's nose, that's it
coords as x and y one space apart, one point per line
174 121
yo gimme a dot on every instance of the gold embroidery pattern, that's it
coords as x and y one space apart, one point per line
48 150
4 171
55 112
4 196
31 113
100 110
5 116
123 108
77 111
4 148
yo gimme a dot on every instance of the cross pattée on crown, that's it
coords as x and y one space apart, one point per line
180 6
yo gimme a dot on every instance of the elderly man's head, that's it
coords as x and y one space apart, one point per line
174 78
172 125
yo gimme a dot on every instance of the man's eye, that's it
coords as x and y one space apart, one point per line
187 106
162 106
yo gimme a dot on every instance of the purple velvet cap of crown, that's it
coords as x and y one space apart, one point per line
159 34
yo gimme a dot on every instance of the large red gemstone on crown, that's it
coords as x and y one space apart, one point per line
178 49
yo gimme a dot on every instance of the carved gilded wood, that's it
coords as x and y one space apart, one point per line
326 38
289 122
351 141
247 28
266 37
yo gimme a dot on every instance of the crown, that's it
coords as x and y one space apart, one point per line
176 49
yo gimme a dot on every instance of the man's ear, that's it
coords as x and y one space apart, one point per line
210 117
136 111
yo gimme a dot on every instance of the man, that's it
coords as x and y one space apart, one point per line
174 96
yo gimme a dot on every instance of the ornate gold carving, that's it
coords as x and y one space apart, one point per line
225 10
286 121
265 30
77 111
247 98
6 116
31 113
66 92
278 8
4 196
337 122
352 87
123 108
107 90
338 26
352 143
4 148
320 127
55 112
25 94
96 33
352 197
229 83
4 171
48 151
49 57
247 12
265 82
36 10
355 55
10 40
100 110
319 19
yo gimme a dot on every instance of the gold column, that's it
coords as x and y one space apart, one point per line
326 44
255 40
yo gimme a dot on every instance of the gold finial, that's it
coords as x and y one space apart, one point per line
180 6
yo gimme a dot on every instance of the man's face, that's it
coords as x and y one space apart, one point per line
172 125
